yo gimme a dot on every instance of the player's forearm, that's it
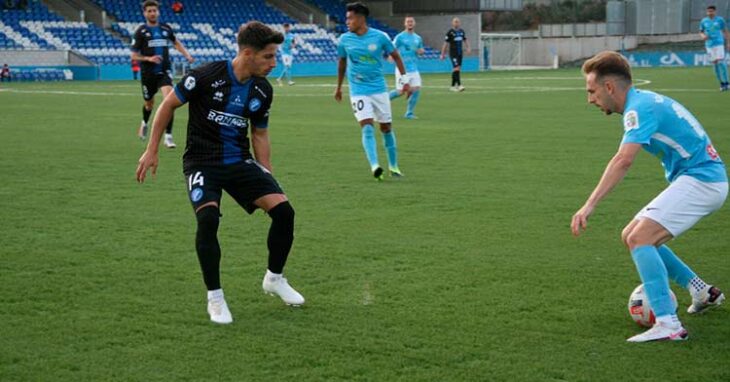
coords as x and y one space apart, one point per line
181 48
138 57
341 68
262 149
612 176
443 49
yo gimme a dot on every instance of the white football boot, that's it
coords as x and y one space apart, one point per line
662 332
217 308
460 88
290 83
454 89
169 143
710 297
276 285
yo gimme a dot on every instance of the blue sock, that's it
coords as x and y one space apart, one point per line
394 94
723 71
676 269
654 276
718 72
412 101
370 146
288 74
391 149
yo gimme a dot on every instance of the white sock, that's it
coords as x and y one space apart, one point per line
271 276
696 286
168 136
215 294
669 321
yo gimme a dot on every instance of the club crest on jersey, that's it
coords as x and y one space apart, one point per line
196 194
631 120
372 47
190 83
254 104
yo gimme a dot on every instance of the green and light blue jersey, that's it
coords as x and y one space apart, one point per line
713 28
408 45
669 131
365 55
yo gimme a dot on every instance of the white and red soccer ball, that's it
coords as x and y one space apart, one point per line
640 309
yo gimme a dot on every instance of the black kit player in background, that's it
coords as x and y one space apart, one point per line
456 41
150 47
226 98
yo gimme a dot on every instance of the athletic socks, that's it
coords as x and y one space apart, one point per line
391 149
207 247
370 146
146 114
676 269
281 236
394 94
723 72
168 129
412 102
696 285
288 74
453 78
653 274
669 321
458 77
215 294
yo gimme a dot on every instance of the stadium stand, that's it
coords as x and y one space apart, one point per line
206 27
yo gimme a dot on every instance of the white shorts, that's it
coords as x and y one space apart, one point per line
374 106
716 52
287 59
684 203
415 79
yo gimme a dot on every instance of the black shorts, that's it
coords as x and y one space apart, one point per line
456 60
245 182
151 83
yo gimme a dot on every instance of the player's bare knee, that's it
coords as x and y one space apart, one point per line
148 105
385 127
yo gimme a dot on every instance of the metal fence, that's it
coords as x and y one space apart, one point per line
657 17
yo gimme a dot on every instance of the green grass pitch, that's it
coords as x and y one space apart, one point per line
463 271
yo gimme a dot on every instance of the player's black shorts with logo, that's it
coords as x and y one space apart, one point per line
456 60
151 83
244 181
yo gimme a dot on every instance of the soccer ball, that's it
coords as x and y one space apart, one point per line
639 307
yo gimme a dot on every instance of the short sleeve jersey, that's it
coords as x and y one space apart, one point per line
408 45
456 38
154 41
221 109
713 28
365 55
286 46
669 131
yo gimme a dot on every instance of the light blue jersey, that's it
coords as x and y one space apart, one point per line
365 55
669 131
713 28
408 45
287 44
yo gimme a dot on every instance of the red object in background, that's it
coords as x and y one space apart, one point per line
177 7
135 66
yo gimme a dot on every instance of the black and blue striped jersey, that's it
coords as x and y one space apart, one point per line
221 110
154 41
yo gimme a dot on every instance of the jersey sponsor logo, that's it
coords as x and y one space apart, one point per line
712 152
189 83
631 120
218 96
228 120
157 43
254 104
196 195
217 84
237 101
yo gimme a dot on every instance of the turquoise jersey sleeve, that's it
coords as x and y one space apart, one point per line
387 45
639 125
